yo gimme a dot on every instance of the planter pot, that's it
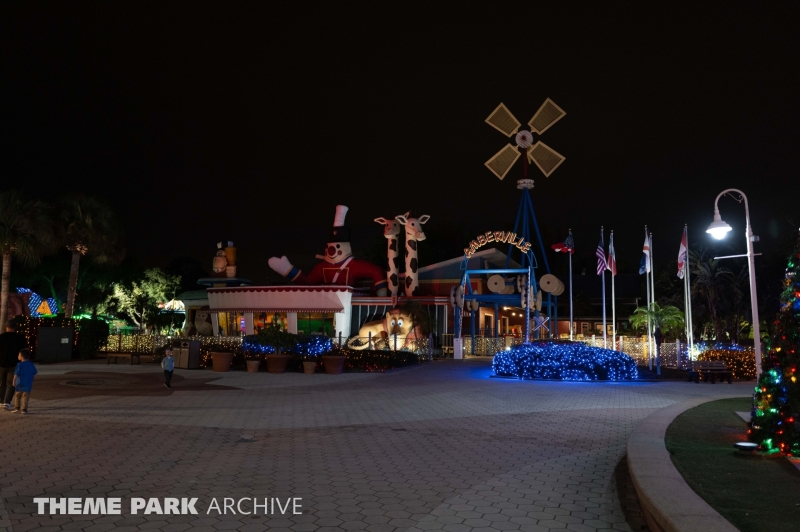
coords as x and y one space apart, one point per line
333 364
252 366
309 367
277 363
222 361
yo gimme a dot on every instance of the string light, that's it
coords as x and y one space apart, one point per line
741 362
564 361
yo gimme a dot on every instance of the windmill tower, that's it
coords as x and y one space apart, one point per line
538 153
547 160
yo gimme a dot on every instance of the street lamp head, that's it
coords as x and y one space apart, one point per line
718 229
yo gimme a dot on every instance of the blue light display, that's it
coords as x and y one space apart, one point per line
569 362
35 303
707 346
312 345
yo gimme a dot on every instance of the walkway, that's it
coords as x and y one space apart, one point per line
436 447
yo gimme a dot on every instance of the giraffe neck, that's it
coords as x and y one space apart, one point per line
392 253
412 281
393 265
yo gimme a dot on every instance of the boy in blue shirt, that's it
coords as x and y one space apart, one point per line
23 381
168 365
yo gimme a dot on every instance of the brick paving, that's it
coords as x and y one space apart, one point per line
436 447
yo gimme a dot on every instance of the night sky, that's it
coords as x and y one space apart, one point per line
200 122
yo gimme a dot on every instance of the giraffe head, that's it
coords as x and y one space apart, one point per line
413 226
391 228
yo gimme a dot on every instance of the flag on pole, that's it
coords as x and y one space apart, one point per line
567 246
683 255
644 266
612 257
601 255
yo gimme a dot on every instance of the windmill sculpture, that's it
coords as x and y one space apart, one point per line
538 153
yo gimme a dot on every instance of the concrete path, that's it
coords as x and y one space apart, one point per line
437 447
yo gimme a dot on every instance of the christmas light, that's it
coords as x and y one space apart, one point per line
776 400
739 361
564 361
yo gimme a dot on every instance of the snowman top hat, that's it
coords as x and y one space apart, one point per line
340 232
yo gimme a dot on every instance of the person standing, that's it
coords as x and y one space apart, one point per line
23 381
11 343
168 365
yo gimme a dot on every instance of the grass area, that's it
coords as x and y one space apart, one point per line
754 493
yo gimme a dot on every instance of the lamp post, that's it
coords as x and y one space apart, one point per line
718 229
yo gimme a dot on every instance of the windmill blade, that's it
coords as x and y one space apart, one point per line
547 115
503 160
545 157
503 121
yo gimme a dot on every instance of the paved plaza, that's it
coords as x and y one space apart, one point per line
435 447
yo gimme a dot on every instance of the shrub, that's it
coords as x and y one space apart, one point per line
377 360
560 361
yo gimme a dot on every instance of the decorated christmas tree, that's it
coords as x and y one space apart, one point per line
775 423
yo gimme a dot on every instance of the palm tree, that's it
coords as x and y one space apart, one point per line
668 318
25 231
710 281
87 225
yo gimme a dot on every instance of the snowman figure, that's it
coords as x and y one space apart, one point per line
340 267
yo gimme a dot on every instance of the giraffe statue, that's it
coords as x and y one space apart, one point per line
414 234
391 230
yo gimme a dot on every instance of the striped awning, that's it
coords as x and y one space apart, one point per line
279 299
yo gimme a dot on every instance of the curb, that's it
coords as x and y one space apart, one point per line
668 503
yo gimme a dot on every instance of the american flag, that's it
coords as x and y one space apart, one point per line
601 255
683 253
612 257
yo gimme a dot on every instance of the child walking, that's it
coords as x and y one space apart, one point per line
23 381
168 364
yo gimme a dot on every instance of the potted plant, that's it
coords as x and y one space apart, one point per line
310 364
310 348
333 361
253 362
274 336
222 358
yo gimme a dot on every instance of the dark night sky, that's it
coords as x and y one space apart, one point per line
199 122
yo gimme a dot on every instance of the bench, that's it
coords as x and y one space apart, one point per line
115 356
709 370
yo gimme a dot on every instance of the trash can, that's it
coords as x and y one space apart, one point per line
187 356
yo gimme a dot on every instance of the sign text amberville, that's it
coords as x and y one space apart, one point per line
497 236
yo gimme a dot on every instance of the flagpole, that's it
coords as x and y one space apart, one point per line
653 302
613 303
603 281
571 325
690 337
686 311
647 299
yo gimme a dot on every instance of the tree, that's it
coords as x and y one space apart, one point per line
87 225
668 318
709 282
25 232
776 411
140 297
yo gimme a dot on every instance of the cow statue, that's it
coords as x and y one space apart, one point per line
340 267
